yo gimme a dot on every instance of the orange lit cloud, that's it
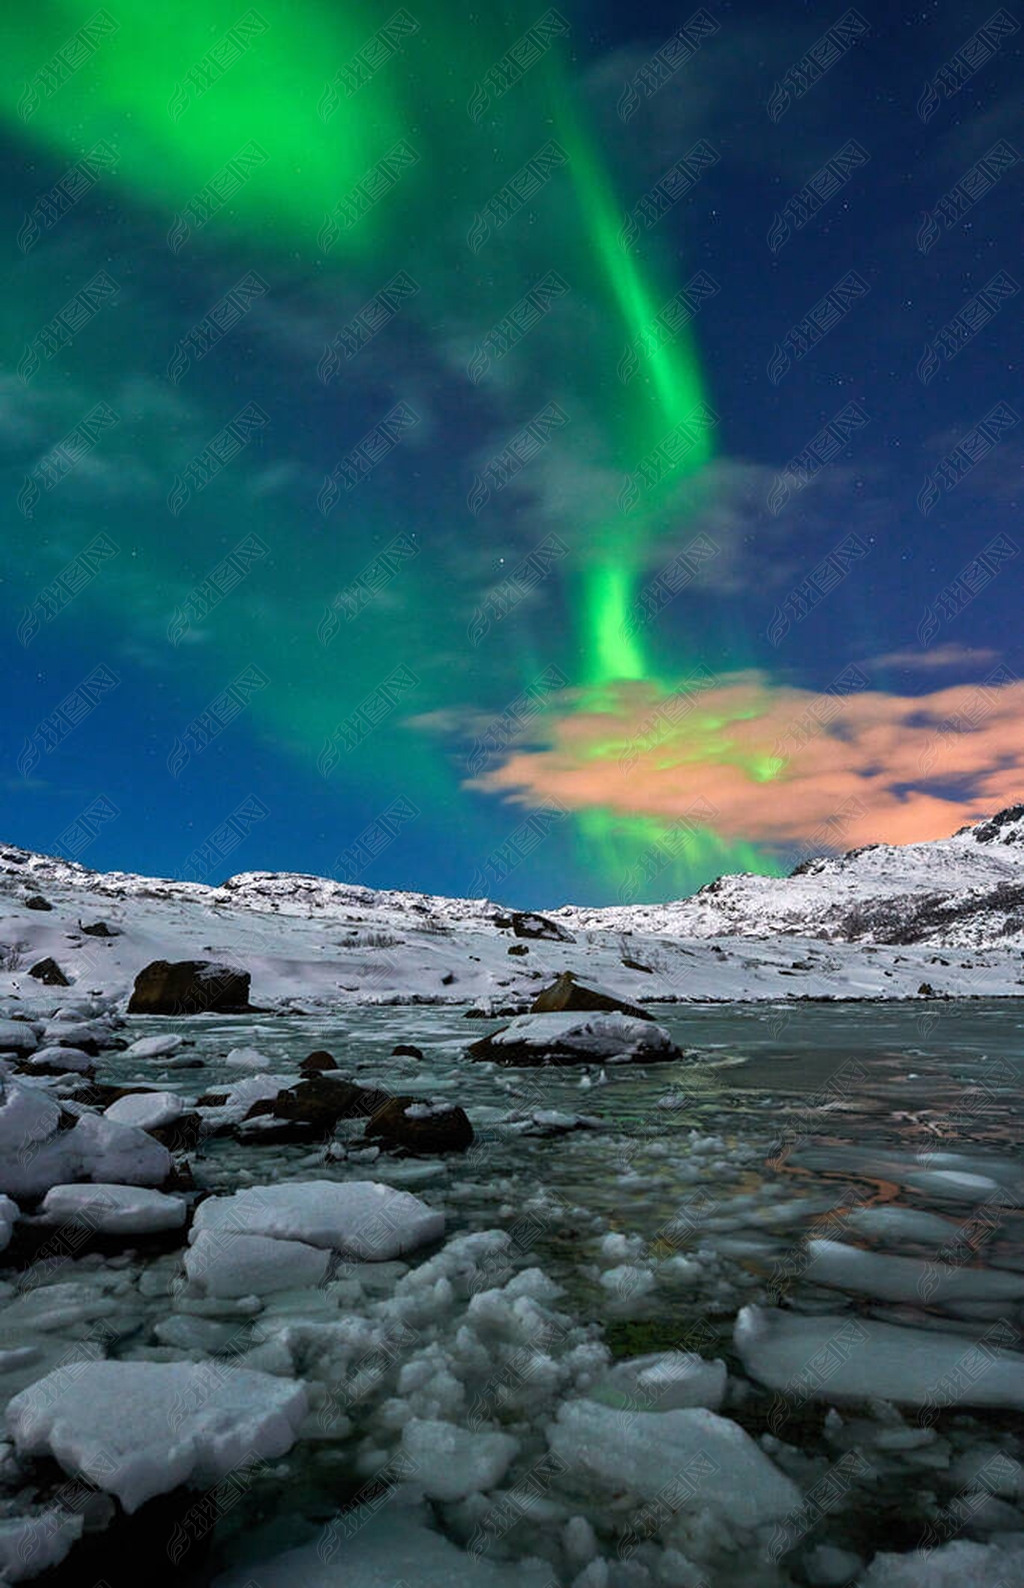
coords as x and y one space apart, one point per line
776 762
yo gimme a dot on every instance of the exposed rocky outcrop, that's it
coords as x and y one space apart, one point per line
190 987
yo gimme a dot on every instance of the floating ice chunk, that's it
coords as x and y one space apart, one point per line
136 1429
17 1036
956 1565
27 1118
828 1567
952 1185
113 1209
224 1262
395 1546
712 1463
153 1047
841 1267
891 1225
359 1218
147 1110
108 1151
850 1358
663 1382
247 1059
451 1462
30 1545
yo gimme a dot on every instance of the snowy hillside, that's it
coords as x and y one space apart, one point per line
878 922
961 892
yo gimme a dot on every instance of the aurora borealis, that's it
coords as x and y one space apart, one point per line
398 410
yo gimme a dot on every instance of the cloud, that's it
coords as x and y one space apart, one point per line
941 656
776 762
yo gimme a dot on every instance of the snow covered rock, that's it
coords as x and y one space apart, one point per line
713 1463
113 1209
190 987
227 1263
665 1381
577 1039
146 1110
850 1358
136 1429
420 1126
49 973
450 1463
358 1218
567 995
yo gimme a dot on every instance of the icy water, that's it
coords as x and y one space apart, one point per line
684 1193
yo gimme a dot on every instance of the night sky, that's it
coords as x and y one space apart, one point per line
557 455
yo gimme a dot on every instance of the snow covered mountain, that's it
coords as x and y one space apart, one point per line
883 921
961 892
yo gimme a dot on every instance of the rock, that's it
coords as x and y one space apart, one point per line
312 1109
405 1050
517 948
568 994
419 1126
190 987
926 990
634 964
178 1135
577 1039
37 902
527 924
49 973
316 1062
100 929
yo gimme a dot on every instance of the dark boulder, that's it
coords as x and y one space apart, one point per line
312 1110
316 1062
438 1128
37 902
100 929
190 987
526 923
567 994
49 973
518 948
406 1050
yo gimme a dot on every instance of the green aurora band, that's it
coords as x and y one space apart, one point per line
178 103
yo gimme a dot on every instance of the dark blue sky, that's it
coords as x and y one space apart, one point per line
856 621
